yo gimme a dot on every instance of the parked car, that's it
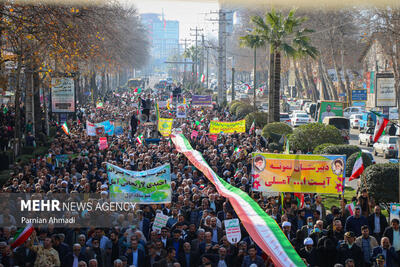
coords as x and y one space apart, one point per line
264 107
365 136
284 117
347 112
369 154
355 120
386 145
300 119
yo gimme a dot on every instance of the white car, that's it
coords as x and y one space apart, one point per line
347 112
300 119
355 120
386 145
264 107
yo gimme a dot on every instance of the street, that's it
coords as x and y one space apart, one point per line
354 141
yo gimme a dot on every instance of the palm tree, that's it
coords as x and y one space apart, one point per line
284 35
253 41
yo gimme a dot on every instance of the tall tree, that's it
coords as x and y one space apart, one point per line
253 41
284 34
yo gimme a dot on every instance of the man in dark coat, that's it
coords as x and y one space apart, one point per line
377 223
349 250
134 124
391 258
188 258
135 255
309 252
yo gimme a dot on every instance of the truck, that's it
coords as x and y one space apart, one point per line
366 135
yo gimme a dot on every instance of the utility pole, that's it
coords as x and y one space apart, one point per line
202 57
221 57
207 68
184 66
196 30
233 79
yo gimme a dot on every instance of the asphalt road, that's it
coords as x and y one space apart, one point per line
354 141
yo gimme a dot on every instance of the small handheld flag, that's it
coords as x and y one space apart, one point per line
252 127
139 139
358 168
65 128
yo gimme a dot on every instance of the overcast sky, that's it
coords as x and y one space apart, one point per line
189 14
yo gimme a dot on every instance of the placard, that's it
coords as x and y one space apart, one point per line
232 229
160 221
62 95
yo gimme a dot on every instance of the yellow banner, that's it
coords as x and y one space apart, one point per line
217 127
298 173
165 126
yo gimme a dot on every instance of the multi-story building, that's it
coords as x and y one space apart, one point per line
164 39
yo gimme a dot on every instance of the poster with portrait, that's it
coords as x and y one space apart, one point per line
298 173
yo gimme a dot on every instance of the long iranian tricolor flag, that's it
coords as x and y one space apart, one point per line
358 168
261 227
22 235
381 123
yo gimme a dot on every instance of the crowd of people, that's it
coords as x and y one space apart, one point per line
194 234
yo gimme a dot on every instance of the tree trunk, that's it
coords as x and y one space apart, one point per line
271 85
277 86
330 86
338 75
348 89
38 115
254 79
308 74
325 94
17 126
299 86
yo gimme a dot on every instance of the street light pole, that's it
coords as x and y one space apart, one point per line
255 77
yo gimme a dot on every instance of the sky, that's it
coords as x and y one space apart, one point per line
189 14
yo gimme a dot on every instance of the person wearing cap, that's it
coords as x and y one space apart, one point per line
309 252
367 243
355 222
388 252
380 261
349 250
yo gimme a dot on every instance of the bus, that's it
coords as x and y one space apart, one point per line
136 82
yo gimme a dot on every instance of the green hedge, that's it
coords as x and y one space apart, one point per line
382 182
275 146
352 159
275 130
243 110
319 148
307 137
5 175
260 119
234 106
347 150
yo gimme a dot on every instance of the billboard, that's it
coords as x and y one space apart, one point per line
359 95
62 95
385 90
329 109
298 173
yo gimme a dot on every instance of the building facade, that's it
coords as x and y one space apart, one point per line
164 40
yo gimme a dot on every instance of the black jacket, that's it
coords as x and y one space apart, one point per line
22 258
382 221
355 253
